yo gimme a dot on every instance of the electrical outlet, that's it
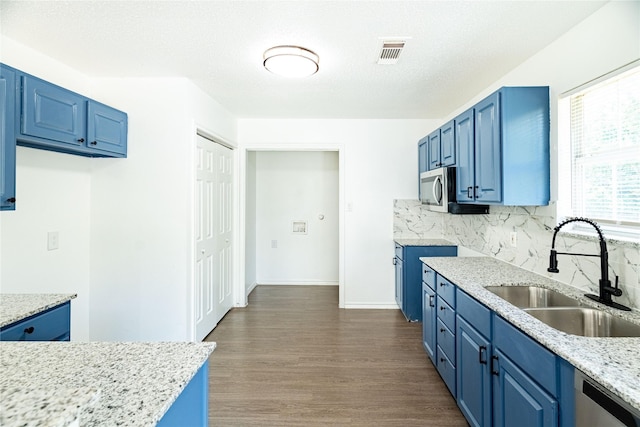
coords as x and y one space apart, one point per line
53 240
513 239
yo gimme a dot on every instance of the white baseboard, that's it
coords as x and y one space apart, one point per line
373 306
250 288
296 283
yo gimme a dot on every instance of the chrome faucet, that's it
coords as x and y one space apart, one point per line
606 290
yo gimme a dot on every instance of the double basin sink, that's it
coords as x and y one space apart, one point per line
565 313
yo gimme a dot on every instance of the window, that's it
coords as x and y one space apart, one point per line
599 174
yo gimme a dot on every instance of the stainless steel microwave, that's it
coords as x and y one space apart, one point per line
436 188
438 192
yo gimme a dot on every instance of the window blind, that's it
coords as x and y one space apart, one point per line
605 150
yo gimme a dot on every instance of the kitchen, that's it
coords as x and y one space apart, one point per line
133 281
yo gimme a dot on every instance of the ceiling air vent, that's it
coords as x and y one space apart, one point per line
390 52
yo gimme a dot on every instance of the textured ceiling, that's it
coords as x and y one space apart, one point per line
456 48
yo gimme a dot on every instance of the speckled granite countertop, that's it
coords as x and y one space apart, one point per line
15 307
105 383
613 362
423 242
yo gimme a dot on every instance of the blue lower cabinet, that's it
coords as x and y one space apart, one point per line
473 374
447 370
518 400
409 276
191 407
53 324
429 321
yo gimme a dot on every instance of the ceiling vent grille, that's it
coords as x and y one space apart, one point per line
390 52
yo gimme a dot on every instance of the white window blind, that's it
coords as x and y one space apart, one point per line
605 150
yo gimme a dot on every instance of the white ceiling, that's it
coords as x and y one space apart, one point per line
455 49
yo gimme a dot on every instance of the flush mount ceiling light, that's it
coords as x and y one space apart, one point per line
291 61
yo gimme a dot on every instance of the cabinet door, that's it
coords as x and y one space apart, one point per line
53 113
7 139
434 150
429 321
465 167
488 164
447 144
106 128
473 376
423 160
517 399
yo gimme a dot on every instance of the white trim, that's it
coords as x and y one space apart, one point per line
601 78
296 283
250 289
242 178
373 306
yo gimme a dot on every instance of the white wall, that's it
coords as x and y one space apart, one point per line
126 240
380 164
142 217
292 186
250 260
608 39
53 194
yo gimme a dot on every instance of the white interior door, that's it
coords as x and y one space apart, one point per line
213 234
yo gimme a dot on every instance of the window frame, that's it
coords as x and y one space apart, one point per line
621 230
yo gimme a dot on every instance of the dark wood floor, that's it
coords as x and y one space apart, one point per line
293 358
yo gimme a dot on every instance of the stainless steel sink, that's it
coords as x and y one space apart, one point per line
587 322
532 296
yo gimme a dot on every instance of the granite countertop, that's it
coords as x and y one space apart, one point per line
613 362
99 383
423 242
15 307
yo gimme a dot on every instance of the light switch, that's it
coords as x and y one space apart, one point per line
53 240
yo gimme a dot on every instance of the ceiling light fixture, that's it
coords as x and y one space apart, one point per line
291 61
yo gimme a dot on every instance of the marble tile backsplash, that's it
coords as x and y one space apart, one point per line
490 235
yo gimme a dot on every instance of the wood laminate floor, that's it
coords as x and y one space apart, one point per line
293 358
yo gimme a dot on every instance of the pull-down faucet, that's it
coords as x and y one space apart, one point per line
606 290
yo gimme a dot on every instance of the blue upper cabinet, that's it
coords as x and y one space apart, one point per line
464 141
447 145
106 128
509 162
52 113
423 159
434 149
441 147
7 139
57 119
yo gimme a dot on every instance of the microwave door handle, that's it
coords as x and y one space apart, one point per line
437 182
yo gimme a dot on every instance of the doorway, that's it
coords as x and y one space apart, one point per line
292 218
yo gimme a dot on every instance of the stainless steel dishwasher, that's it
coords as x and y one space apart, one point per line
598 407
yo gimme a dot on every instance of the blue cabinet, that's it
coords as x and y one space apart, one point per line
46 116
510 150
441 146
423 159
473 345
57 119
53 324
191 407
7 138
464 141
429 320
408 276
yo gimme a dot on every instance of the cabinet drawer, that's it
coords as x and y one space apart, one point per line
446 314
447 371
447 341
533 358
50 325
446 290
399 250
473 312
429 276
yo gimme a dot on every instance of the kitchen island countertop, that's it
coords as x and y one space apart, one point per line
423 242
99 383
15 307
613 362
